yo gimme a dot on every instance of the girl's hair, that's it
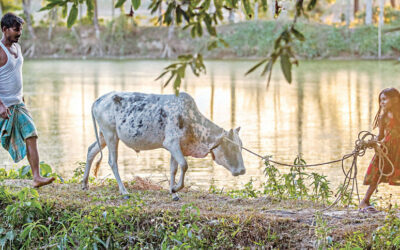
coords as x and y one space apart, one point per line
391 93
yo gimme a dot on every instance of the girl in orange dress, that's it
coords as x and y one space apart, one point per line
387 120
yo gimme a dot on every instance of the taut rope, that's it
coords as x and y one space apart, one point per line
361 145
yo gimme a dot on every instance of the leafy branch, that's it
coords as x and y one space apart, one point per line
283 47
177 70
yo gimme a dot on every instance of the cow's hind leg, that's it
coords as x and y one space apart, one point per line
173 169
174 148
93 150
112 144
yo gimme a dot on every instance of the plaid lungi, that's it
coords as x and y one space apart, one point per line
15 130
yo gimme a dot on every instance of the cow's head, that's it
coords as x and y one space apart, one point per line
228 152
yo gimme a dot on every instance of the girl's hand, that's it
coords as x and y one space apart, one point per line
372 143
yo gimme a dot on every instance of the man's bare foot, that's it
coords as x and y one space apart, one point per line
41 181
363 204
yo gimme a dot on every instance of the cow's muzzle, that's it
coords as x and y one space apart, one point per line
241 172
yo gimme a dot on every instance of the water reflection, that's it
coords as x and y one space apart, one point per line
318 115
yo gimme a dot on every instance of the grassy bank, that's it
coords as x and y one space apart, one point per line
63 216
251 39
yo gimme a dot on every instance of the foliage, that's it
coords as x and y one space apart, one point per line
25 209
177 70
25 172
322 232
296 184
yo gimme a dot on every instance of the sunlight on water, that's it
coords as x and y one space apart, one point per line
319 115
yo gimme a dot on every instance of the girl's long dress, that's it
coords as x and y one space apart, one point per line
392 142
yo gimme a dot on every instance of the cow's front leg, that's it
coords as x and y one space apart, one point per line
173 169
175 149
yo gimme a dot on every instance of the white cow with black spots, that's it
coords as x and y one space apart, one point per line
148 121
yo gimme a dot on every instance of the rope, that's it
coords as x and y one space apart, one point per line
364 141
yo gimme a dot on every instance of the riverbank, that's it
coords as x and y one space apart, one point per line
64 215
250 40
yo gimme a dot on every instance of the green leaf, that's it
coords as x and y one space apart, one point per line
37 205
45 169
162 74
119 3
212 45
181 71
177 84
64 11
298 35
10 235
90 8
34 193
169 79
25 232
73 14
199 29
256 66
286 67
136 4
23 171
312 4
247 8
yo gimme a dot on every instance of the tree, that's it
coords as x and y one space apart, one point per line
368 12
27 12
198 18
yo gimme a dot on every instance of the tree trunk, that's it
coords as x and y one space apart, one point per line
348 13
381 9
53 22
368 12
256 11
1 9
97 28
27 12
112 9
356 6
231 17
393 3
26 4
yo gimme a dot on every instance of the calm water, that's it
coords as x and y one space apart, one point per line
319 115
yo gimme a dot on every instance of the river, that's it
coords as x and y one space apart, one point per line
319 115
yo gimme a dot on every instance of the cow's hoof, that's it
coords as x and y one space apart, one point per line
85 187
175 197
126 196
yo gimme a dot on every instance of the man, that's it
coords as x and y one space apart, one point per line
18 132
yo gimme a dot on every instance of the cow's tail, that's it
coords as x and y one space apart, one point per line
96 169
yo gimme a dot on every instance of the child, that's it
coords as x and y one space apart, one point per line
387 120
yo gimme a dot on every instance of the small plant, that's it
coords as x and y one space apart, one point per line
322 232
388 235
26 209
247 192
320 187
32 231
272 185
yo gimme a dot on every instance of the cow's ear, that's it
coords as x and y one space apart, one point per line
237 130
230 133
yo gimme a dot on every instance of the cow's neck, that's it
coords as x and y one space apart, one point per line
214 132
203 138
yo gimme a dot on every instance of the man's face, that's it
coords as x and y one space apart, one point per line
13 34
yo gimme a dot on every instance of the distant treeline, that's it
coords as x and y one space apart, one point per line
251 39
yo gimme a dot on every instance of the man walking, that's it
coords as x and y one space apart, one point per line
18 132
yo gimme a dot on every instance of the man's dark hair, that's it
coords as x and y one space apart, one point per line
11 20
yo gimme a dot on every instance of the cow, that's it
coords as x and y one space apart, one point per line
150 121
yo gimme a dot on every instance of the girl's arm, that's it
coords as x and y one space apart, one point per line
381 133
